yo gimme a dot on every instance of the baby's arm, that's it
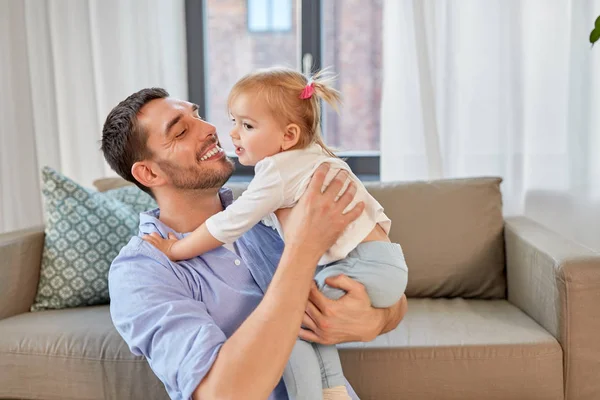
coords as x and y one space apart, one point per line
263 196
198 242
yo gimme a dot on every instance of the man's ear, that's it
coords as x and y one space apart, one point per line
144 173
291 136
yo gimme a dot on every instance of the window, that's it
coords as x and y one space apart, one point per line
223 45
269 15
351 45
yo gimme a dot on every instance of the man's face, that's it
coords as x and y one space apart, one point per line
184 146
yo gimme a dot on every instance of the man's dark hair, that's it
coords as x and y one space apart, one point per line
124 139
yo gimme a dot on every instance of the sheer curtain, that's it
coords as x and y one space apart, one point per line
64 65
497 87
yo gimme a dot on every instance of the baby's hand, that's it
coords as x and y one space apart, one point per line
161 244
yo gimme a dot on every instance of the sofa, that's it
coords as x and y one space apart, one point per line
499 308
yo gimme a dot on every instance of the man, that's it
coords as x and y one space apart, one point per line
222 325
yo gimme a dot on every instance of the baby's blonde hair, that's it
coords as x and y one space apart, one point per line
280 89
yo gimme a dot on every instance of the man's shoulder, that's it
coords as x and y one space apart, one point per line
135 247
135 254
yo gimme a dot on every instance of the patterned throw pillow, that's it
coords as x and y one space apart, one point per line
85 230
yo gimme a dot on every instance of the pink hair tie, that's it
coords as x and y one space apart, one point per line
308 91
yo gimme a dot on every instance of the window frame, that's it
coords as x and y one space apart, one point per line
269 28
365 164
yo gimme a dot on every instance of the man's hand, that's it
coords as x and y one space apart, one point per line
349 319
318 219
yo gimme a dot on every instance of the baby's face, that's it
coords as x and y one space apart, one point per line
256 134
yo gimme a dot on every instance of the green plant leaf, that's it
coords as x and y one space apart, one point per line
597 24
594 36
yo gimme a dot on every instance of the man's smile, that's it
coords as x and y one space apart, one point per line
214 152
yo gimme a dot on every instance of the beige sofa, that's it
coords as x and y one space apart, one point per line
499 308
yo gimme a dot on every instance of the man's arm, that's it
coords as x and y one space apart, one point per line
159 317
251 362
350 318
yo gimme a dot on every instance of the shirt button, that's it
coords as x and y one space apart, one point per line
237 262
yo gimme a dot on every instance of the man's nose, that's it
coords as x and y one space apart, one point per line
206 130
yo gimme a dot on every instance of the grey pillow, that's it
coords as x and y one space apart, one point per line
451 232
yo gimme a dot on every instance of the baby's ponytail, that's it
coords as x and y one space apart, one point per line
322 83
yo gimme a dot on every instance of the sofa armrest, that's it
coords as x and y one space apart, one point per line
557 283
20 260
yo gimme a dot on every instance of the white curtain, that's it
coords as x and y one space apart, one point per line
507 88
64 65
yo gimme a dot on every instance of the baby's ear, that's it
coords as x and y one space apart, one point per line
291 136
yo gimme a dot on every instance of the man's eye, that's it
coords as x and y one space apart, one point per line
182 133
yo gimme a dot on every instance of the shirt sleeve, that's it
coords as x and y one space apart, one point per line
158 318
263 196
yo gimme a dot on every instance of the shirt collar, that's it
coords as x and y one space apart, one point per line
149 221
313 148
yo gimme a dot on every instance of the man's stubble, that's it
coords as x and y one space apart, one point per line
198 178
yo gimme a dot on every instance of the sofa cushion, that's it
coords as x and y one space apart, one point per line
85 230
71 354
451 232
456 349
444 349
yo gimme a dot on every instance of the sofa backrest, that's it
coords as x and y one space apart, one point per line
451 232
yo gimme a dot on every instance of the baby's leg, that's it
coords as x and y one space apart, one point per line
379 266
302 374
331 367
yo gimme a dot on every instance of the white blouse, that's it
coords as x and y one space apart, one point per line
279 182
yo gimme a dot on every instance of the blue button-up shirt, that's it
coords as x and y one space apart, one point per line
179 314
